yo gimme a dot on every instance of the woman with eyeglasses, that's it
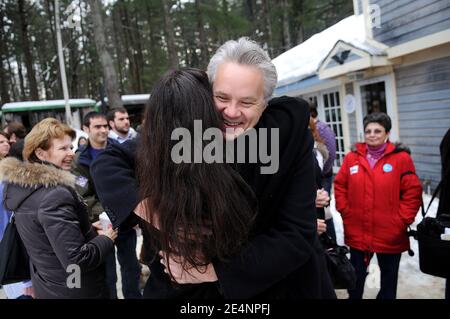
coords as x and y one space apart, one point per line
378 195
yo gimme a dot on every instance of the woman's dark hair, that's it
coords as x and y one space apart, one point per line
6 135
204 211
379 117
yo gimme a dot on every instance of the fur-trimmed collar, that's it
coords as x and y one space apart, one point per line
26 174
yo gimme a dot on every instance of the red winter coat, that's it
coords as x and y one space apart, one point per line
378 204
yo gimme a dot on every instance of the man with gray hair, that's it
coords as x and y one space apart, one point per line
283 258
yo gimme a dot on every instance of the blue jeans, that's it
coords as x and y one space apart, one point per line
130 268
388 263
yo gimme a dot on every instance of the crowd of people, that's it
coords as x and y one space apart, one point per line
211 230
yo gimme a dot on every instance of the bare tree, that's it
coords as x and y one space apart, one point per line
286 43
170 35
25 42
202 35
3 84
109 73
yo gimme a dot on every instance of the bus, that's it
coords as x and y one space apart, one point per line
31 112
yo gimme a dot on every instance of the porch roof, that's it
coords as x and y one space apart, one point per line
304 60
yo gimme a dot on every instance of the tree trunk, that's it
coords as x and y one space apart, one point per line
109 73
170 35
74 61
23 95
51 22
117 46
43 65
267 22
138 57
287 43
52 62
5 98
129 46
25 41
202 36
250 10
15 94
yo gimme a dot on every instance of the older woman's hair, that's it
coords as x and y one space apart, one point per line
379 117
246 52
41 136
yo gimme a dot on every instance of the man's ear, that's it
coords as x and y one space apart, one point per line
41 154
111 124
86 129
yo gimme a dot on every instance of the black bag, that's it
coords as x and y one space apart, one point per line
14 260
341 270
434 253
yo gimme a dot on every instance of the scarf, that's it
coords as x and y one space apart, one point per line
375 153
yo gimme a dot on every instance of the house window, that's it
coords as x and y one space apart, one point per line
373 98
312 100
332 112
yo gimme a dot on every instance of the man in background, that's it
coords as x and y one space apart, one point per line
96 126
119 122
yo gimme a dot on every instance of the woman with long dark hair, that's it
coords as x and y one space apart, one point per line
200 208
197 211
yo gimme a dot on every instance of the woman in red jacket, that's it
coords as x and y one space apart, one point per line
378 195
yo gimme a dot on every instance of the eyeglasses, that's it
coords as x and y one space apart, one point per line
375 131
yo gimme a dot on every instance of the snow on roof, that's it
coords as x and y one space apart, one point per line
303 60
140 98
41 105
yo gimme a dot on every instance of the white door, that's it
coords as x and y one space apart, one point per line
376 95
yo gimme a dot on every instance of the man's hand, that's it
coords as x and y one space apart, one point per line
192 275
110 233
97 225
322 198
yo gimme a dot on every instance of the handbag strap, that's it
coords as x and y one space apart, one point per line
23 200
412 232
436 191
